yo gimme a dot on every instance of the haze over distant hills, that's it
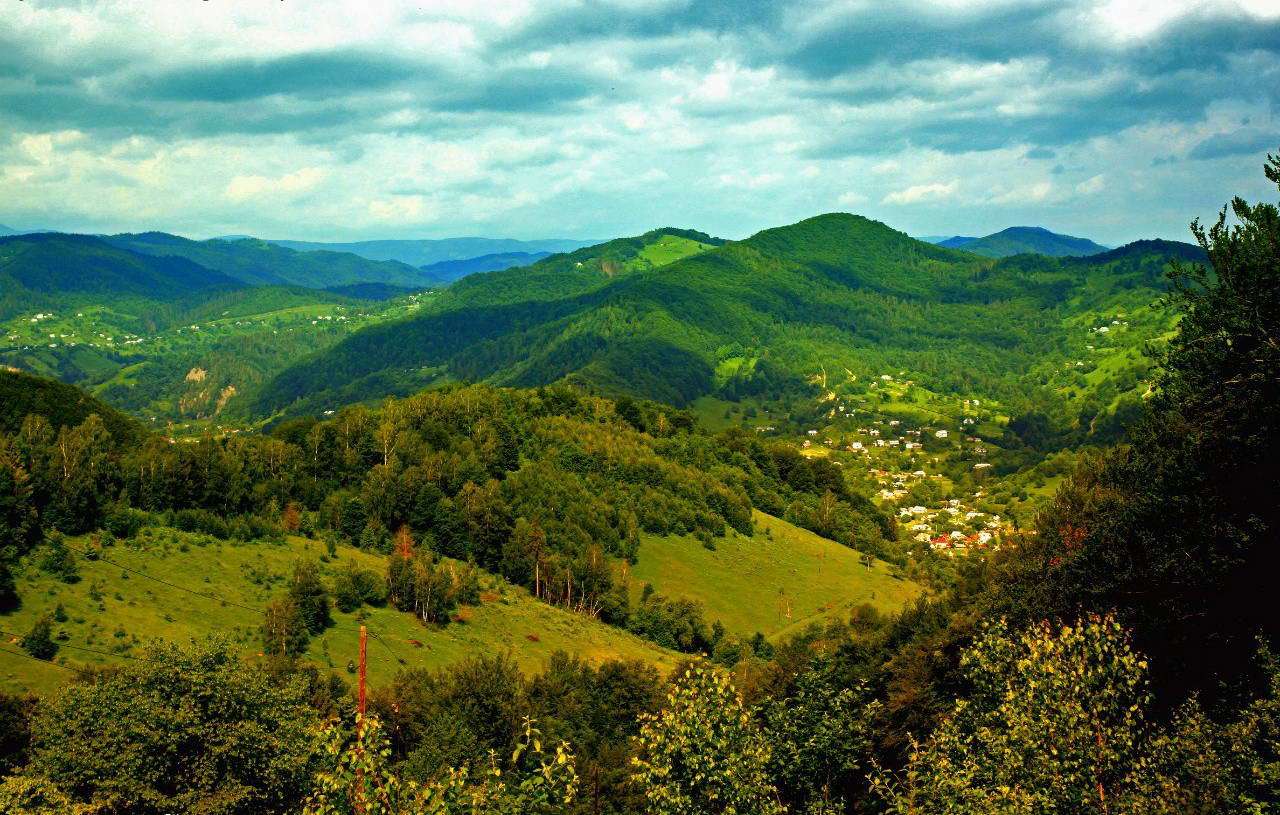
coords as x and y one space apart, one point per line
263 263
450 270
1017 240
427 251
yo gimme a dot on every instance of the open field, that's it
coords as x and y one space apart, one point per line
114 611
777 581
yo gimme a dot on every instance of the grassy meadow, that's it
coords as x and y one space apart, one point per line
115 611
777 581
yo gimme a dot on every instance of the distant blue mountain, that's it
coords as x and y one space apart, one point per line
447 271
1019 240
425 252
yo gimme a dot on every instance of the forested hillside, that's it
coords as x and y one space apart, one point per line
160 335
832 299
427 251
1113 654
451 270
1023 240
51 268
261 263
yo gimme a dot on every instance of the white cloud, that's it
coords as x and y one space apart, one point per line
1031 193
727 128
923 192
400 209
245 187
750 181
1091 185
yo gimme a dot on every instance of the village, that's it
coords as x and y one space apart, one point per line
919 457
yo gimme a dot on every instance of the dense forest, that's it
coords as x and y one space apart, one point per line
1118 658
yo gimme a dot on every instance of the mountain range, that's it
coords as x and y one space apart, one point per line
262 263
673 314
425 252
835 295
450 270
1018 240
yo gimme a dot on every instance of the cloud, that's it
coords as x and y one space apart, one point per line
1236 143
245 187
308 75
611 116
1091 185
923 192
1030 193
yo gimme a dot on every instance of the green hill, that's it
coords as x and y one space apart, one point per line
553 489
52 268
130 609
63 405
835 295
778 580
260 263
1019 240
159 334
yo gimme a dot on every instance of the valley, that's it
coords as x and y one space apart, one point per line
825 451
639 408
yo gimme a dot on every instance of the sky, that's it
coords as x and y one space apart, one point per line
338 120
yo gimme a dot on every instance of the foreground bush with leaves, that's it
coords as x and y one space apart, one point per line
360 779
703 754
1058 722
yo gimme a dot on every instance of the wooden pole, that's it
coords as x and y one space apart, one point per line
364 642
361 728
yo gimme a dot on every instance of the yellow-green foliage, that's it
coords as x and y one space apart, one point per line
136 609
360 780
750 584
703 752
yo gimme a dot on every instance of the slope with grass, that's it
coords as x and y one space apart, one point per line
113 609
779 580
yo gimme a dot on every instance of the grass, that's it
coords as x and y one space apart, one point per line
777 581
670 248
134 609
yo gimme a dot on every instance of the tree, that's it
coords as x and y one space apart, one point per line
1055 723
702 753
38 642
58 559
9 599
818 737
185 729
310 596
284 630
353 587
359 779
37 796
1177 530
